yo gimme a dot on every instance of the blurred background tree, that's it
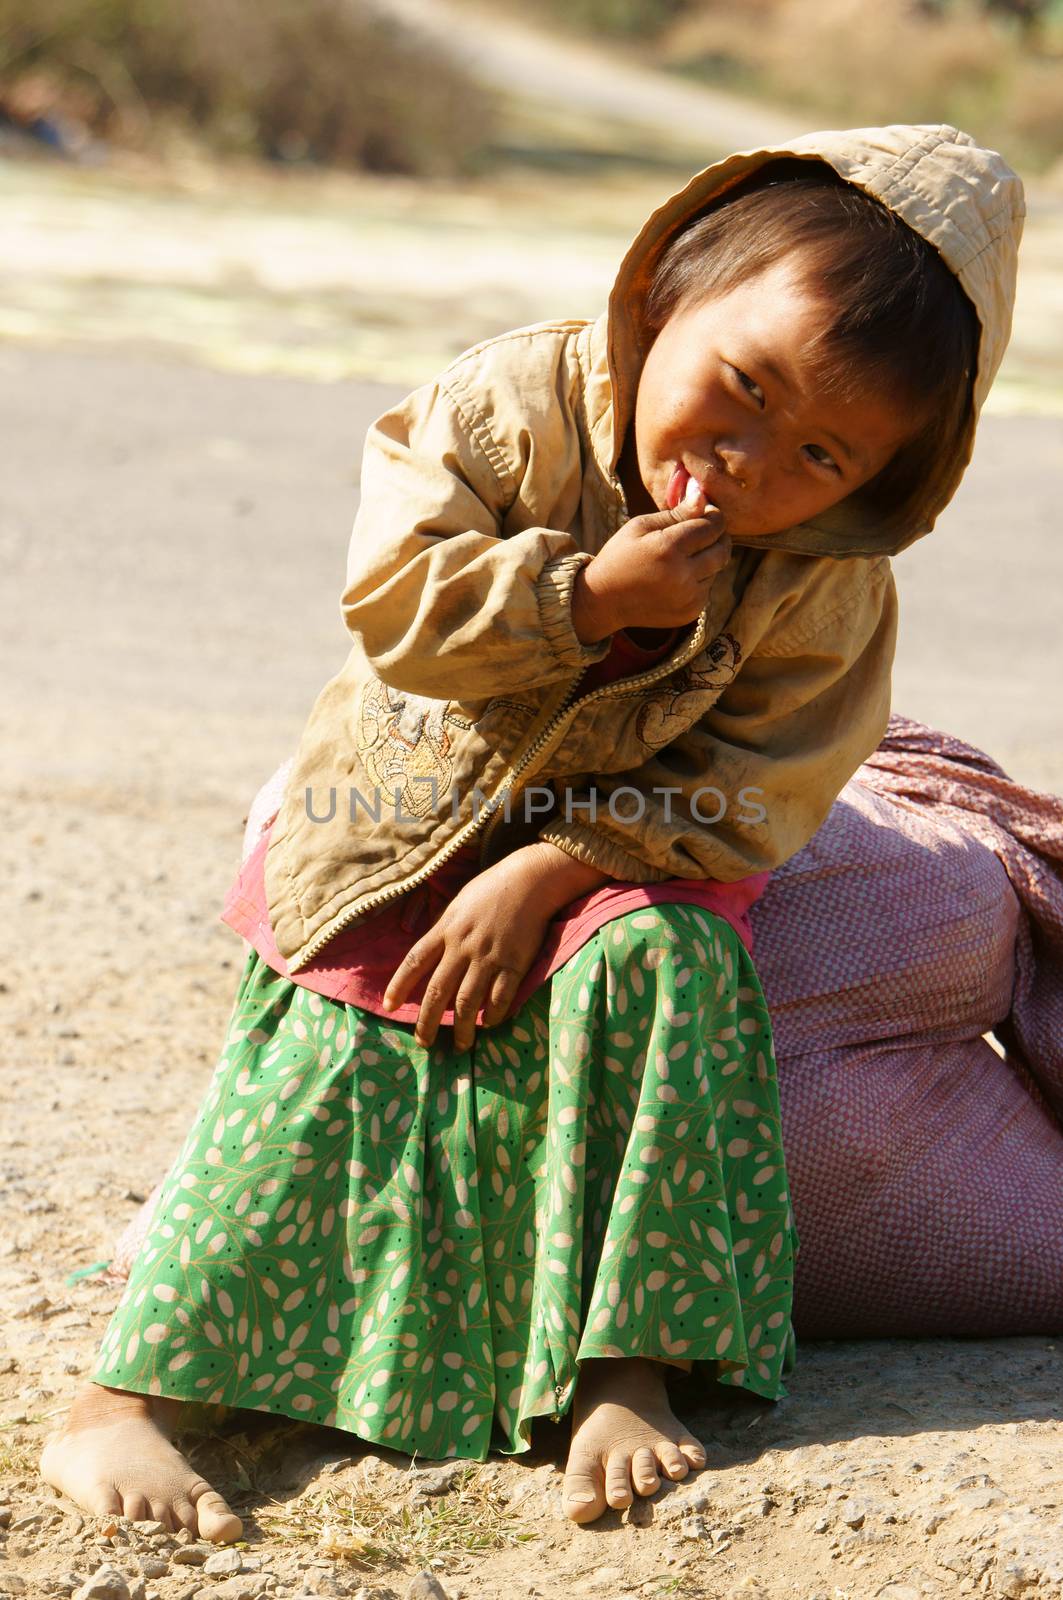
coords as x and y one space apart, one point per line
329 81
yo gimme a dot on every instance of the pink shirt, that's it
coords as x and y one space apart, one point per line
356 966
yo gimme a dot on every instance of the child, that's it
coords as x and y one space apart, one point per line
623 621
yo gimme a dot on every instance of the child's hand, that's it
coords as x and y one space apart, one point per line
487 939
655 572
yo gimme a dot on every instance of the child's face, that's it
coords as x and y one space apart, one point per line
727 395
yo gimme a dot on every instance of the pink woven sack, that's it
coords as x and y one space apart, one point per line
927 1172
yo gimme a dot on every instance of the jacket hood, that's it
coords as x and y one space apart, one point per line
963 199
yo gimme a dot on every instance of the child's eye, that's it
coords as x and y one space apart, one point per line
821 457
748 384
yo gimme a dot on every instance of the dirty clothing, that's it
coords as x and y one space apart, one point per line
482 495
419 1245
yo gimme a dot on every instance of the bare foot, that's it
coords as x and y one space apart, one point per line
623 1437
113 1455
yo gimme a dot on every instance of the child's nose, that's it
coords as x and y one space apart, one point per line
741 459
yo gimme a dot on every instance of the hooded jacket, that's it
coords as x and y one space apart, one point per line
458 717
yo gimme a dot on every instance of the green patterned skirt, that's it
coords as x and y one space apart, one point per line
420 1245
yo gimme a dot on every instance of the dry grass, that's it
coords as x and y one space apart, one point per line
16 1460
368 1525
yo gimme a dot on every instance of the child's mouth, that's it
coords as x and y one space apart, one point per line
679 486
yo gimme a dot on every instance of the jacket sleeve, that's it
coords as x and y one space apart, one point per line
449 592
747 785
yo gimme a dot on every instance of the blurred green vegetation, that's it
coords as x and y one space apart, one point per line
327 81
641 19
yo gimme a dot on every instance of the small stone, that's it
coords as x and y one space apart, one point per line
242 1588
154 1566
36 1306
979 1499
854 1516
437 1480
639 1513
190 1555
148 1527
820 1525
5 1516
107 1583
975 1480
184 1536
426 1586
932 1522
764 1507
680 1503
11 1583
33 1519
224 1563
1016 1579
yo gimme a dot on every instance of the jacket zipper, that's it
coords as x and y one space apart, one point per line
661 670
474 824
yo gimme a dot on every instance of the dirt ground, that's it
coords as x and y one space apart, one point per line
171 541
171 547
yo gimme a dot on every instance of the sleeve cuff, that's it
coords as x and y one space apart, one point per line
554 592
596 850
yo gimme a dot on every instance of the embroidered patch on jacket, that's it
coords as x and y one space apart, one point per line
668 714
405 747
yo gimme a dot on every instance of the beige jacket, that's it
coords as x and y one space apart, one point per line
482 495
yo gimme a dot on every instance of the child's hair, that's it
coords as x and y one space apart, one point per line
901 322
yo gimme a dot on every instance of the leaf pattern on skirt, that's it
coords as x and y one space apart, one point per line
421 1245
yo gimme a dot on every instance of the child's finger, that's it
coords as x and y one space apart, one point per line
502 991
470 998
437 997
702 533
418 960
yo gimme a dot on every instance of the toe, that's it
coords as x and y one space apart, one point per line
693 1451
136 1508
644 1474
102 1500
583 1494
672 1459
618 1480
184 1514
162 1511
216 1521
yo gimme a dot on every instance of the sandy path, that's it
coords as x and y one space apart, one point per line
599 77
171 541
